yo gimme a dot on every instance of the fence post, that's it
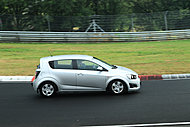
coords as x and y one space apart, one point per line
165 20
49 27
1 24
132 23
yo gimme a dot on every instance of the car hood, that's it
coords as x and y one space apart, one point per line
126 70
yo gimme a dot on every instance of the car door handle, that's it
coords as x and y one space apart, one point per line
80 74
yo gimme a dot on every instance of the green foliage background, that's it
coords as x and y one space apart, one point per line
33 14
89 7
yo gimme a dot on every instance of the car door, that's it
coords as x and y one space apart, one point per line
88 77
64 73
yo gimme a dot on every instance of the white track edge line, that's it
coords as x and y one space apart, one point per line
145 125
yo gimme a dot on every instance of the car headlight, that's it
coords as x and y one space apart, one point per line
131 76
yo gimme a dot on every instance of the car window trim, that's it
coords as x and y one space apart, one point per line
75 66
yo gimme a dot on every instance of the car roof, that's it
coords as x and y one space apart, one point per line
59 57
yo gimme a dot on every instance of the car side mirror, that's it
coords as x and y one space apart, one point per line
100 68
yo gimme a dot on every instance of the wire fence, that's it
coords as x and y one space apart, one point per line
136 22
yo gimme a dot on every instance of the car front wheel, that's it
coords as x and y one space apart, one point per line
117 87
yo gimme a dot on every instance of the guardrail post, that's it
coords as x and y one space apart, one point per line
17 36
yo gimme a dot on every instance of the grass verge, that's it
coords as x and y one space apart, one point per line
165 57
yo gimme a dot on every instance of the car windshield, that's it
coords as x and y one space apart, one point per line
112 66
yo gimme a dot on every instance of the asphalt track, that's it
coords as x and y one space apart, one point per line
157 102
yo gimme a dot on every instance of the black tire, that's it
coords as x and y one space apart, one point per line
47 89
117 87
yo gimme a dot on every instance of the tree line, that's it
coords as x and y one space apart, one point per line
89 7
27 14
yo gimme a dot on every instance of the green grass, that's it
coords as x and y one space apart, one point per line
166 57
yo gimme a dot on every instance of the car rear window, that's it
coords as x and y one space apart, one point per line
61 64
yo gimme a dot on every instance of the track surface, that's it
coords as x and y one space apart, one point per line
157 102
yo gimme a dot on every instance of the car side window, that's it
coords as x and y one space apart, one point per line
86 65
61 64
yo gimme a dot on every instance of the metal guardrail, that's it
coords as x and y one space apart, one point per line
59 37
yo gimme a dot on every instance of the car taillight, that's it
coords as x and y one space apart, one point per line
33 79
37 73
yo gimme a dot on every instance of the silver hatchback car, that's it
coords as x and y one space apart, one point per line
82 73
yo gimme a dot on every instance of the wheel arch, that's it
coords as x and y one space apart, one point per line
117 78
48 80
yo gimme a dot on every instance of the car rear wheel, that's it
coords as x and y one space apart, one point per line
47 89
117 87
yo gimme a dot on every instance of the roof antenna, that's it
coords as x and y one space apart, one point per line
50 53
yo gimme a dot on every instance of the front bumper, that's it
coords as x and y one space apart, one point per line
134 84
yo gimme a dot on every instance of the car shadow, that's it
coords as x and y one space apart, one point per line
91 95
